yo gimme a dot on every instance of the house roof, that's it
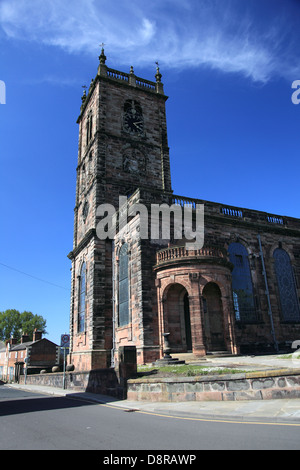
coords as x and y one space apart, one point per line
19 347
22 346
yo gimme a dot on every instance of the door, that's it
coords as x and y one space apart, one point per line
177 319
213 317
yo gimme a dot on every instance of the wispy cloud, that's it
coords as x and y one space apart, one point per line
222 35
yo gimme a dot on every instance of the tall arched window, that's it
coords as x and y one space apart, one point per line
123 286
81 299
89 128
243 298
287 287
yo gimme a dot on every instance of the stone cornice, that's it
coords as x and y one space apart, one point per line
82 244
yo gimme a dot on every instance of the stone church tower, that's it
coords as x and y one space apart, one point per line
122 145
239 292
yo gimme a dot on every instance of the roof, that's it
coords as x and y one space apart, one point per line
22 346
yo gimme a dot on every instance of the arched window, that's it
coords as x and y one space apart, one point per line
90 164
287 287
123 286
89 128
81 299
243 298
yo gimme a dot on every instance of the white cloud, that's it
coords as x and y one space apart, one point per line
179 34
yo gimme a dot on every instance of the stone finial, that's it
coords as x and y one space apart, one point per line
102 68
158 75
102 57
132 78
83 98
159 85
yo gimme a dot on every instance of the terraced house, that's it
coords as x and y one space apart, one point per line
34 355
237 292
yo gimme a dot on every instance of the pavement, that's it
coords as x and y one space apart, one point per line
280 411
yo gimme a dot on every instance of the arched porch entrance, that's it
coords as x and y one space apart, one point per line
213 318
177 320
194 292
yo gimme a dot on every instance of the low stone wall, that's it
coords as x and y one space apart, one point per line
262 385
103 381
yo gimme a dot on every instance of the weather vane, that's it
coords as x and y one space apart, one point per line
102 44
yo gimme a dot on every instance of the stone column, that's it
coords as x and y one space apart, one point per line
196 322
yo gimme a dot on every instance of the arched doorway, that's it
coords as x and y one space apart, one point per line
177 318
213 318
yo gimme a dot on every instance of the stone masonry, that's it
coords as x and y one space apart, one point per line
194 295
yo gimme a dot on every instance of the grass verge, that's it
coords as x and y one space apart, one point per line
186 370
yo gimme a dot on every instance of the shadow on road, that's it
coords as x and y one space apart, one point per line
31 405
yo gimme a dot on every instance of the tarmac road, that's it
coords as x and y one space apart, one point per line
60 420
35 417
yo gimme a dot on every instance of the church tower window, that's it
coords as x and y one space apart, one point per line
89 128
123 286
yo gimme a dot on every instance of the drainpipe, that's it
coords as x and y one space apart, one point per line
267 294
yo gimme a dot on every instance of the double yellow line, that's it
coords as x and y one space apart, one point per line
210 420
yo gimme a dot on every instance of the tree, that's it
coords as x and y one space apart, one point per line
13 324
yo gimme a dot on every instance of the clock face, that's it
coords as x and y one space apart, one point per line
133 121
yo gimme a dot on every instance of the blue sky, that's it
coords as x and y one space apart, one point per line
228 68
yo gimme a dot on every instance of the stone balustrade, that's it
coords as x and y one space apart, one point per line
131 79
175 253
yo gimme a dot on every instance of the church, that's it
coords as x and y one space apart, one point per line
237 292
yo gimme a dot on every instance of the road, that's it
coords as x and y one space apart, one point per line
31 421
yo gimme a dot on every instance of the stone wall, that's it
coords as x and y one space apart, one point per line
243 386
103 381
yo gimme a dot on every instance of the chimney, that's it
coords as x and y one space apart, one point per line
13 341
24 338
37 335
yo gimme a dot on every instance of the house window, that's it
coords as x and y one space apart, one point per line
81 299
243 298
287 287
123 286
